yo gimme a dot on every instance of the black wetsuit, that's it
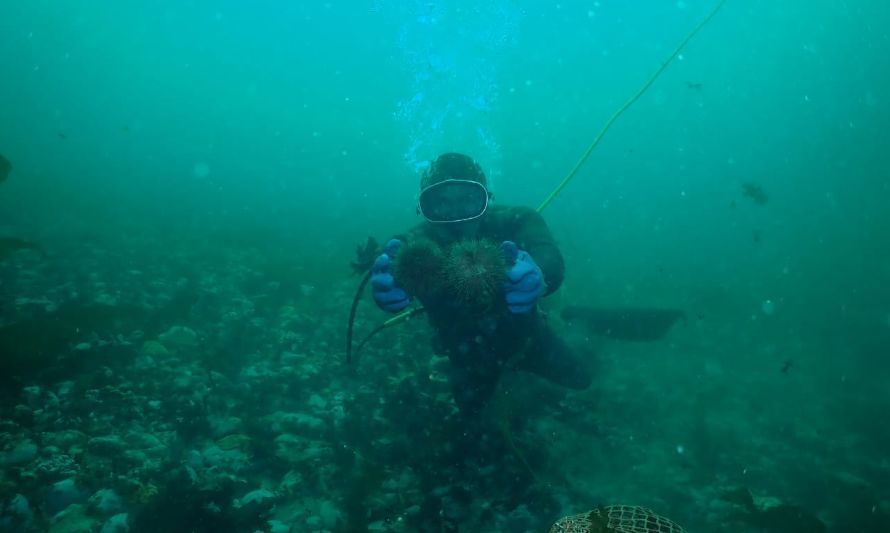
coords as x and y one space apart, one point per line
480 345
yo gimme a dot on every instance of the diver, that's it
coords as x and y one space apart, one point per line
510 333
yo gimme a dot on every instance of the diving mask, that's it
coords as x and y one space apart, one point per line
453 200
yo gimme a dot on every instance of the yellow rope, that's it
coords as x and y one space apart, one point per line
623 108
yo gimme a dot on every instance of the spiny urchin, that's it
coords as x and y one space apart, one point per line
475 271
418 268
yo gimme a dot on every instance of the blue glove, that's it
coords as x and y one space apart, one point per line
388 296
525 281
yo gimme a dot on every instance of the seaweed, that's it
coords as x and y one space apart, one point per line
365 256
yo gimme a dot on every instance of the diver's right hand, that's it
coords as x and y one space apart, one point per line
388 296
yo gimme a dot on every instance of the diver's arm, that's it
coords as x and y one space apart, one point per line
533 236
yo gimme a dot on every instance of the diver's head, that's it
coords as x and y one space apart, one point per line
453 195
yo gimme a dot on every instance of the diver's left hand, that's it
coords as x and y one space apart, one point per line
525 281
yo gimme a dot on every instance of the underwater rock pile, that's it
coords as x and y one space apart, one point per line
183 390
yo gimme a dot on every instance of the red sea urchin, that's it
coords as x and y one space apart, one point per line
474 272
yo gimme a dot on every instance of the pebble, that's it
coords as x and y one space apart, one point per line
154 349
65 388
277 526
23 452
73 519
118 523
317 402
143 440
296 422
19 510
179 336
32 395
106 502
62 495
109 445
258 497
329 514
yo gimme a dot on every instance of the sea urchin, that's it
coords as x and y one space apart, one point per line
418 268
474 272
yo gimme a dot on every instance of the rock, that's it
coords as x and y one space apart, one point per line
290 483
145 362
295 422
853 481
228 461
73 519
143 441
764 503
105 299
64 388
118 523
519 519
259 498
308 371
50 451
154 349
222 426
317 402
17 514
194 459
289 448
401 484
259 370
106 502
184 383
787 518
32 395
65 439
329 515
134 458
236 441
290 358
61 495
23 414
318 451
23 452
277 526
179 337
108 446
51 401
19 506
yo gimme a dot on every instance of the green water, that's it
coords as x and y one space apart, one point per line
293 130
